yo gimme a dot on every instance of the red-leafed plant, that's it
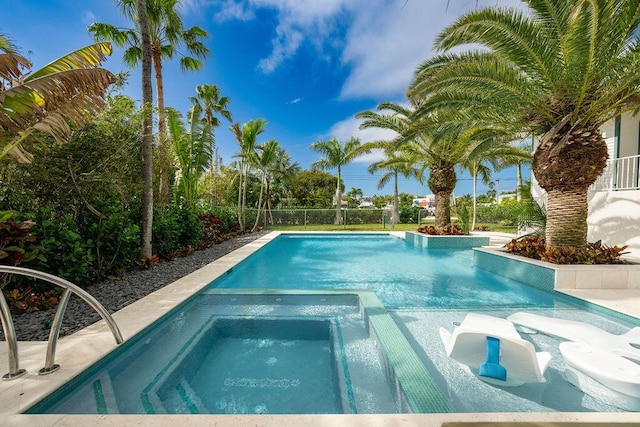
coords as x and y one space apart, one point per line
594 253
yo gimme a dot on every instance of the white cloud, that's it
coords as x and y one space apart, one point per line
350 127
295 101
384 41
88 17
231 9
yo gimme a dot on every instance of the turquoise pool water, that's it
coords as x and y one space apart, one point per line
401 275
210 356
242 354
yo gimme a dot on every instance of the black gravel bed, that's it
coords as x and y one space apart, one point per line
116 294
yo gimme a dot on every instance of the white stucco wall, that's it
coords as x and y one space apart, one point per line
614 218
629 131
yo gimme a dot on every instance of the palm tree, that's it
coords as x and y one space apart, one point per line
393 165
489 148
422 142
355 193
70 89
264 159
560 71
209 100
337 156
397 120
246 136
6 45
279 179
167 36
147 135
192 149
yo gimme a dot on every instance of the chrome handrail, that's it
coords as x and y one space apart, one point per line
9 329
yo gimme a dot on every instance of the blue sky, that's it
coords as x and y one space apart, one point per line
306 66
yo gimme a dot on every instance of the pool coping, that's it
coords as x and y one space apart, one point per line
81 349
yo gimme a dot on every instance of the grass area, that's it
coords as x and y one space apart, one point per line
377 227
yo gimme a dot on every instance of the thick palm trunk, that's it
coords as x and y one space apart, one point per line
565 165
566 218
443 208
442 181
147 134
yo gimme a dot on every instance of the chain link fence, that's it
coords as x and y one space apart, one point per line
304 217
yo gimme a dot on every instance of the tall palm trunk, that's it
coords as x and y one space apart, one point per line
267 198
519 183
395 217
147 135
565 164
338 219
474 174
244 197
442 181
164 151
255 225
240 186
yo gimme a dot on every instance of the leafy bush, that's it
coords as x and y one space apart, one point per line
464 216
17 244
66 252
594 253
450 230
117 243
176 229
228 218
409 214
28 300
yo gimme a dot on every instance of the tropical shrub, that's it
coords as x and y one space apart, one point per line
176 230
65 252
17 244
117 240
449 230
27 300
409 214
594 253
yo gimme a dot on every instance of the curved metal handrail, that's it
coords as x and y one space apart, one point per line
69 288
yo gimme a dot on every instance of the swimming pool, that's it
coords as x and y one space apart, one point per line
402 275
239 353
420 317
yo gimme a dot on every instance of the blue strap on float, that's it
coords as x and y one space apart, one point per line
492 367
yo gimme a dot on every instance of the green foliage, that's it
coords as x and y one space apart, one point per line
228 218
464 216
176 228
66 252
409 214
116 237
594 253
313 189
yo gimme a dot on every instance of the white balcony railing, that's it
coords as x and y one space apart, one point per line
620 174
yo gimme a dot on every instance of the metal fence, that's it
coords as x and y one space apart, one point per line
304 217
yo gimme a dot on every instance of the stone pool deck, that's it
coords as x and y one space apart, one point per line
76 352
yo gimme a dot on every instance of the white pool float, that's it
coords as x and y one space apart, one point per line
468 345
626 345
603 375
